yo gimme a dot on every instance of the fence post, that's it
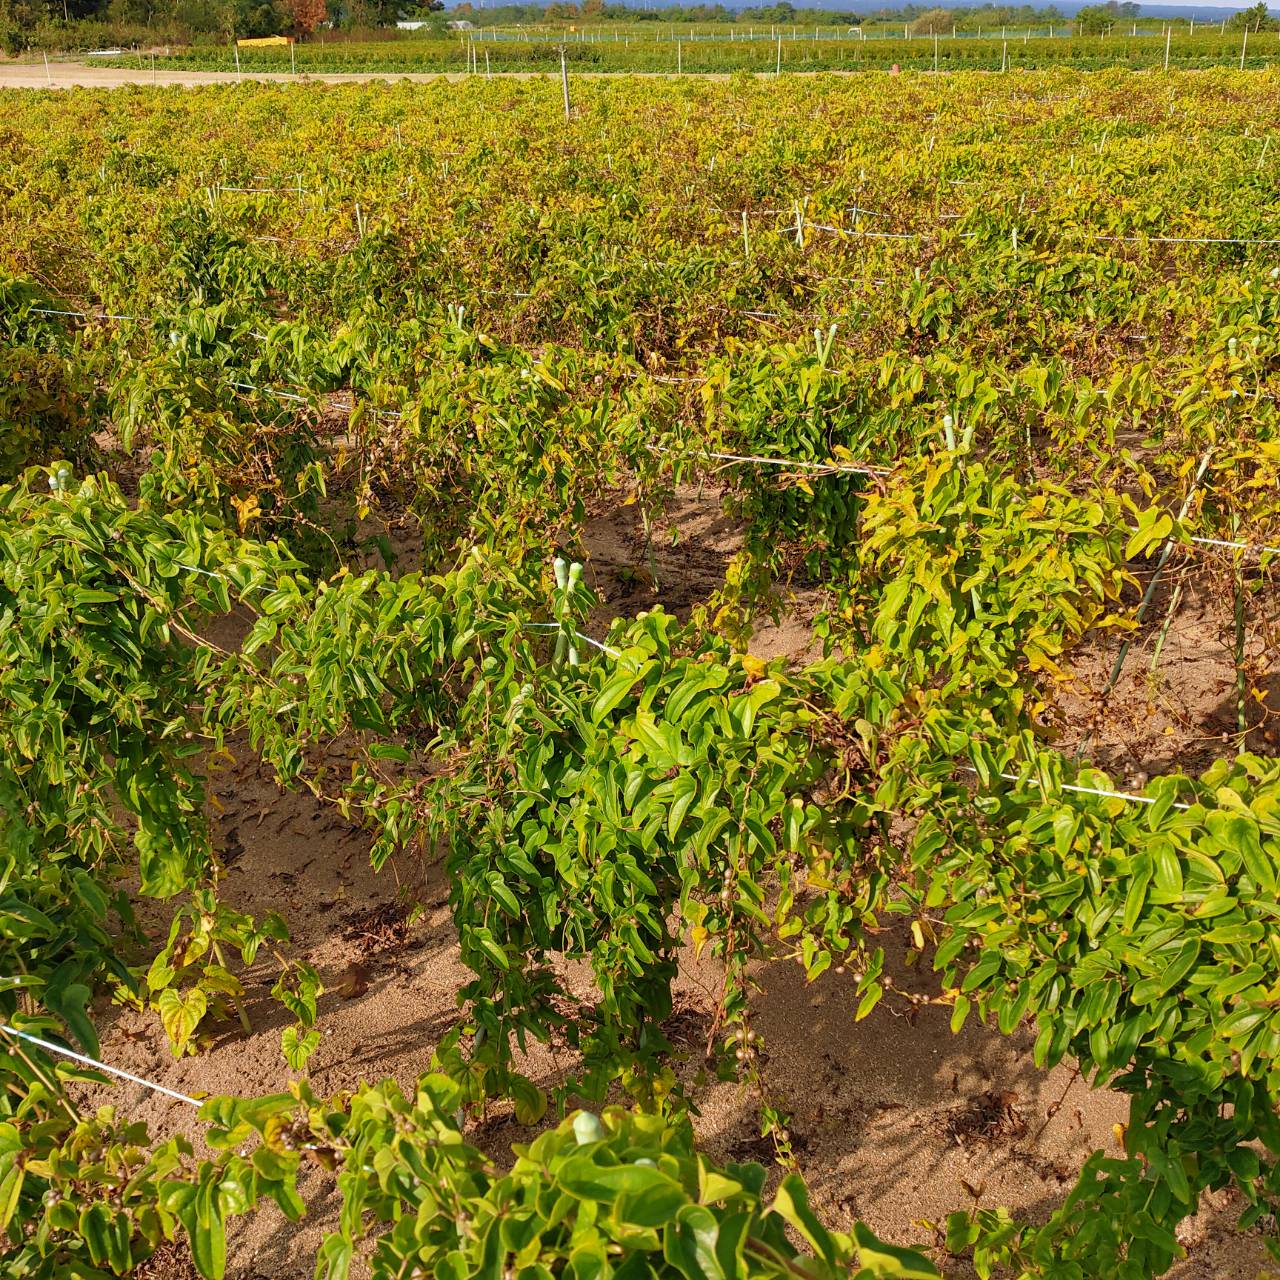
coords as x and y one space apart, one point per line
564 81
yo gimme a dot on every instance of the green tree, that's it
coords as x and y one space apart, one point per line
1094 19
254 18
933 21
1253 19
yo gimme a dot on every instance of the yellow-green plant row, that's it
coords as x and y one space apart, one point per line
710 50
1011 343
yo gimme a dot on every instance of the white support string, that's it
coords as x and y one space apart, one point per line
1086 791
270 391
1088 235
85 315
859 234
1259 548
595 644
1065 232
99 1066
795 464
264 191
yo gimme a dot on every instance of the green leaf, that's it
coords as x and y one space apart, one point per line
181 1013
69 1001
94 1228
1136 896
1242 835
870 998
1181 965
792 1203
689 1244
10 1191
685 787
612 695
333 1262
530 1101
298 1047
1153 527
209 1239
888 1260
642 1196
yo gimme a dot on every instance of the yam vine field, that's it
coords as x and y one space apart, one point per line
683 691
706 51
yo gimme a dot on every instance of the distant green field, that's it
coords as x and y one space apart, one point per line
674 49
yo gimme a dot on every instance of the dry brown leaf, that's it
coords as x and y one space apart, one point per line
353 982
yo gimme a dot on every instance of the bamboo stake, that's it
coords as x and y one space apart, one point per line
1168 622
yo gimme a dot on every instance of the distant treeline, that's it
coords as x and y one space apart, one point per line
784 12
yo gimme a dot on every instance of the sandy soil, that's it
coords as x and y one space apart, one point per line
87 75
896 1121
1175 704
74 74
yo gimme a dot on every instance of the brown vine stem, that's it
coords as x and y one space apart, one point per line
1168 622
1055 1107
238 1005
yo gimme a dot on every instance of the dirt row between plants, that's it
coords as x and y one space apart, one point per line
895 1120
86 75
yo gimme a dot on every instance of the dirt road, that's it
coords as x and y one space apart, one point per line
72 75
